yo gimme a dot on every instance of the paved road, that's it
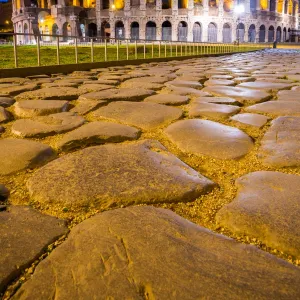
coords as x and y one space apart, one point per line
108 167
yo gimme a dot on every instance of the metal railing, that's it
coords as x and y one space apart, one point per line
28 50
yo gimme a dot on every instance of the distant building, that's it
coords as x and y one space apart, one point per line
183 20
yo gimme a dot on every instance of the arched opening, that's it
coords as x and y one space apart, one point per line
271 34
272 5
278 34
120 30
150 31
66 31
55 30
212 34
135 31
105 4
288 37
105 29
182 3
46 32
26 31
284 35
262 34
166 31
213 3
182 31
82 30
135 3
92 30
251 34
253 4
166 4
240 33
197 32
227 34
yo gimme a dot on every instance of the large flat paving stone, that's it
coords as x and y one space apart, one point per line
276 108
6 101
123 94
93 87
18 89
16 80
204 137
184 84
137 83
212 110
17 155
265 85
55 93
214 82
287 95
266 207
29 108
115 175
97 133
167 99
217 100
184 91
83 107
152 253
243 95
255 120
141 114
24 235
281 143
47 125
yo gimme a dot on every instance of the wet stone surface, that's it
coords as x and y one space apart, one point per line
212 141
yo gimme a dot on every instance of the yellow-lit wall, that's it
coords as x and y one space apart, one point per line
89 3
119 4
48 21
290 7
264 4
228 5
280 6
18 4
198 1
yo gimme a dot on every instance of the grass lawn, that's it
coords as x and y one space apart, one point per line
27 55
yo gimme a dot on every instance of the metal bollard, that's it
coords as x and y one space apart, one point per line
127 50
76 50
38 49
105 50
57 51
15 50
92 50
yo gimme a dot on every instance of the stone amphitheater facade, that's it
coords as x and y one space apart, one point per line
183 20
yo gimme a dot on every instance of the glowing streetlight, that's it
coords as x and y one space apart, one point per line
42 21
113 7
239 9
6 22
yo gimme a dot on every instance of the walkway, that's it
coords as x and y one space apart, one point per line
111 165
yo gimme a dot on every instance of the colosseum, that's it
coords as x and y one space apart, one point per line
177 20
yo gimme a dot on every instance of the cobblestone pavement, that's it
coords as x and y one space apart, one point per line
102 171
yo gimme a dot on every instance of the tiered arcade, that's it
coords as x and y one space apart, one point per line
183 20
